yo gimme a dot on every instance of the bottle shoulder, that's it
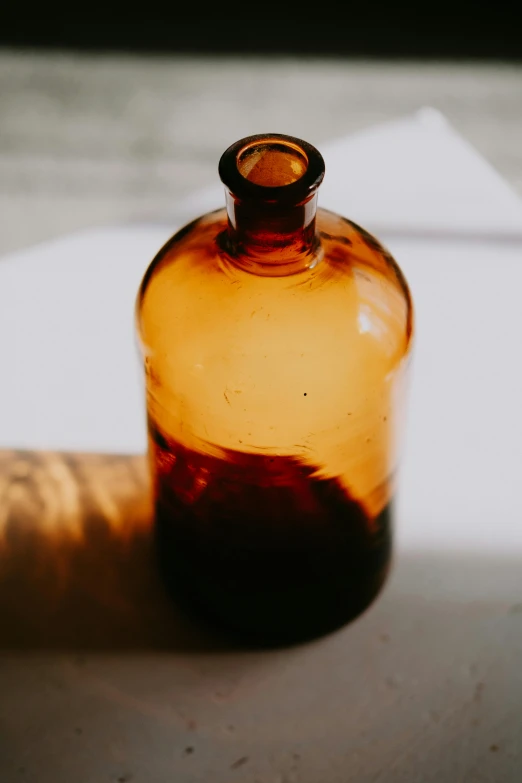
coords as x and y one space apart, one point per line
354 287
200 249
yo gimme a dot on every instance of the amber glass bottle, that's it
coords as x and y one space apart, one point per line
275 339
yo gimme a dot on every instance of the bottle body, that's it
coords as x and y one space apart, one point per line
274 404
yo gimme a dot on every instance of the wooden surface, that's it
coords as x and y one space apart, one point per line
77 568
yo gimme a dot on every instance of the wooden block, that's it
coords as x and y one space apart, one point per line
77 565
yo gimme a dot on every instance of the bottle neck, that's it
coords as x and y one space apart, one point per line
272 233
271 184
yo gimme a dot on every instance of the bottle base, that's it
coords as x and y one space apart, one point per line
273 596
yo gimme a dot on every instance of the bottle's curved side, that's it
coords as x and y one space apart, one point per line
272 397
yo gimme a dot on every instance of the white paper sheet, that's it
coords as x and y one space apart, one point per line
415 176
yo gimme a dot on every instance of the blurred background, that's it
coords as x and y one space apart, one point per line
104 122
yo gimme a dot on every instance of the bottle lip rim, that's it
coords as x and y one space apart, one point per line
293 193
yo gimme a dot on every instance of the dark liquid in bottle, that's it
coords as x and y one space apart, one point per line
261 547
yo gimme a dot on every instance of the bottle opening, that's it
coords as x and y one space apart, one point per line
272 168
272 164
